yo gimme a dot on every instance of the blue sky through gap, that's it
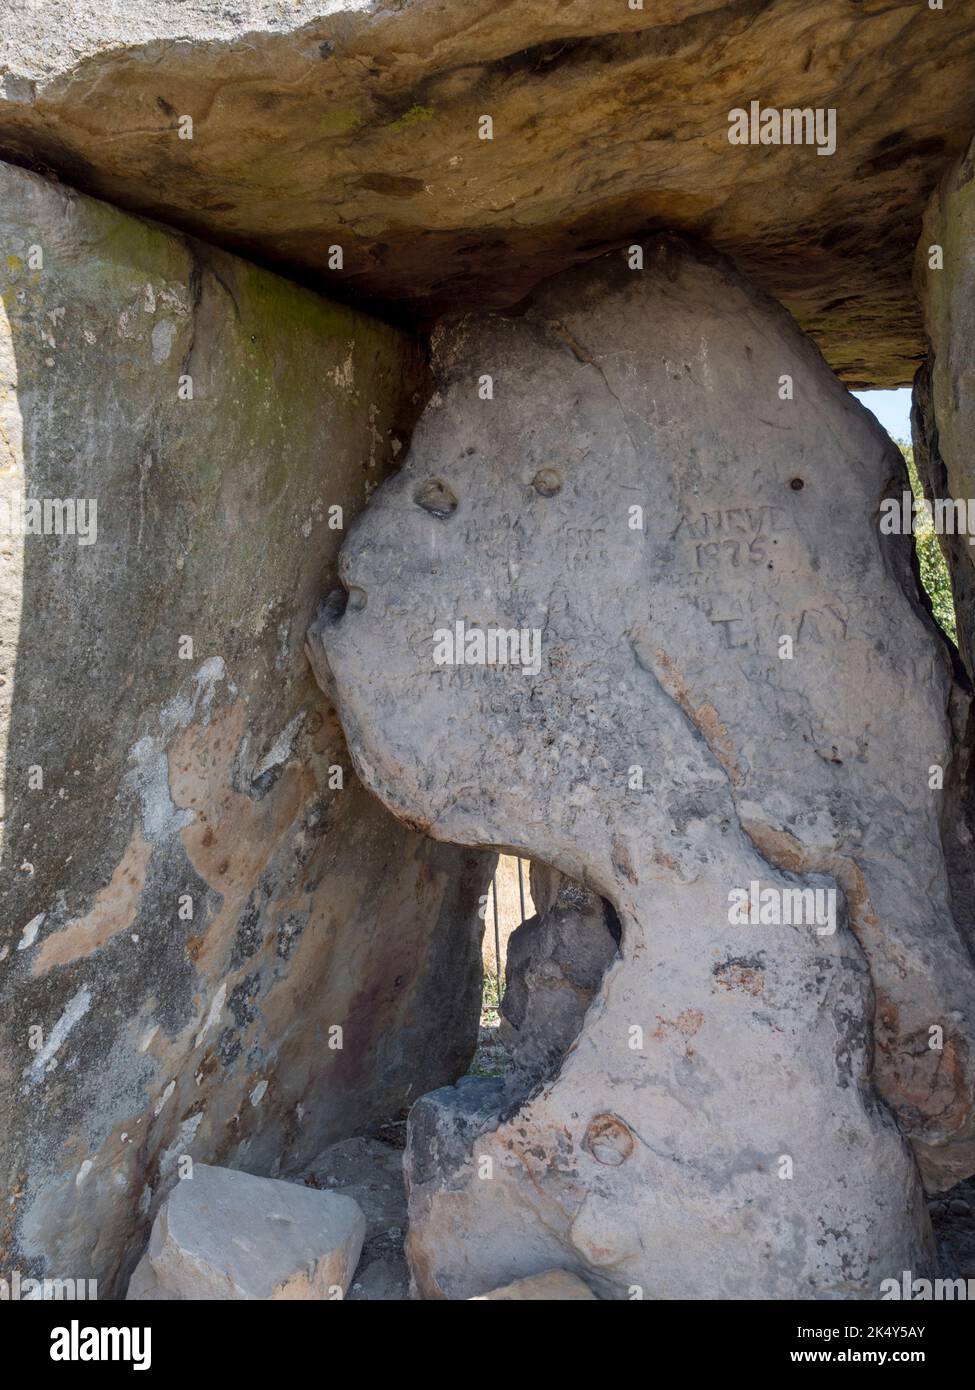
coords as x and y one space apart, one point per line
892 409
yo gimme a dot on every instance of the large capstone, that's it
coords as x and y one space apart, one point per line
628 610
446 152
216 945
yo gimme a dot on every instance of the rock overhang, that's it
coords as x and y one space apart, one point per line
354 125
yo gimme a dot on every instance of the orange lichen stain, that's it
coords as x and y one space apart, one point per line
704 717
609 1139
777 846
233 837
930 1083
622 862
689 1022
783 850
114 910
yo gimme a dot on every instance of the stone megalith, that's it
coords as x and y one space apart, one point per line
627 610
195 891
943 426
296 131
944 415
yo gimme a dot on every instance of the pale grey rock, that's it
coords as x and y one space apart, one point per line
223 1234
219 783
743 1111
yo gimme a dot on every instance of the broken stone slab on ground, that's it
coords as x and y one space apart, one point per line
223 1234
639 491
553 1286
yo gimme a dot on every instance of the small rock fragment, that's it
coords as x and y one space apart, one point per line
223 1234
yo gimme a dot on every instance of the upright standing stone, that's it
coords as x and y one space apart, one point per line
652 481
943 427
214 943
944 419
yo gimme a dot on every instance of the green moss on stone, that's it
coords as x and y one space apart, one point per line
414 116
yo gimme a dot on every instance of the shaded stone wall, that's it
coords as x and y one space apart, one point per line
196 889
943 429
944 414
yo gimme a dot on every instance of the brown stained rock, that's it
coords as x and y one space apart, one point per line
943 427
743 1105
208 784
359 127
114 910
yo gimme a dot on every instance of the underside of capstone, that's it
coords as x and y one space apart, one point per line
713 655
358 124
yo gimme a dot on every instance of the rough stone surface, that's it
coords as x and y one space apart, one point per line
355 122
222 1234
943 427
370 1171
554 1286
556 962
945 398
662 1159
133 1034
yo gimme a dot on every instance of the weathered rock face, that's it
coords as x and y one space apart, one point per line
555 964
943 426
221 1234
721 655
357 124
146 782
945 420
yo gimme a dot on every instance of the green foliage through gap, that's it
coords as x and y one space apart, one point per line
931 560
